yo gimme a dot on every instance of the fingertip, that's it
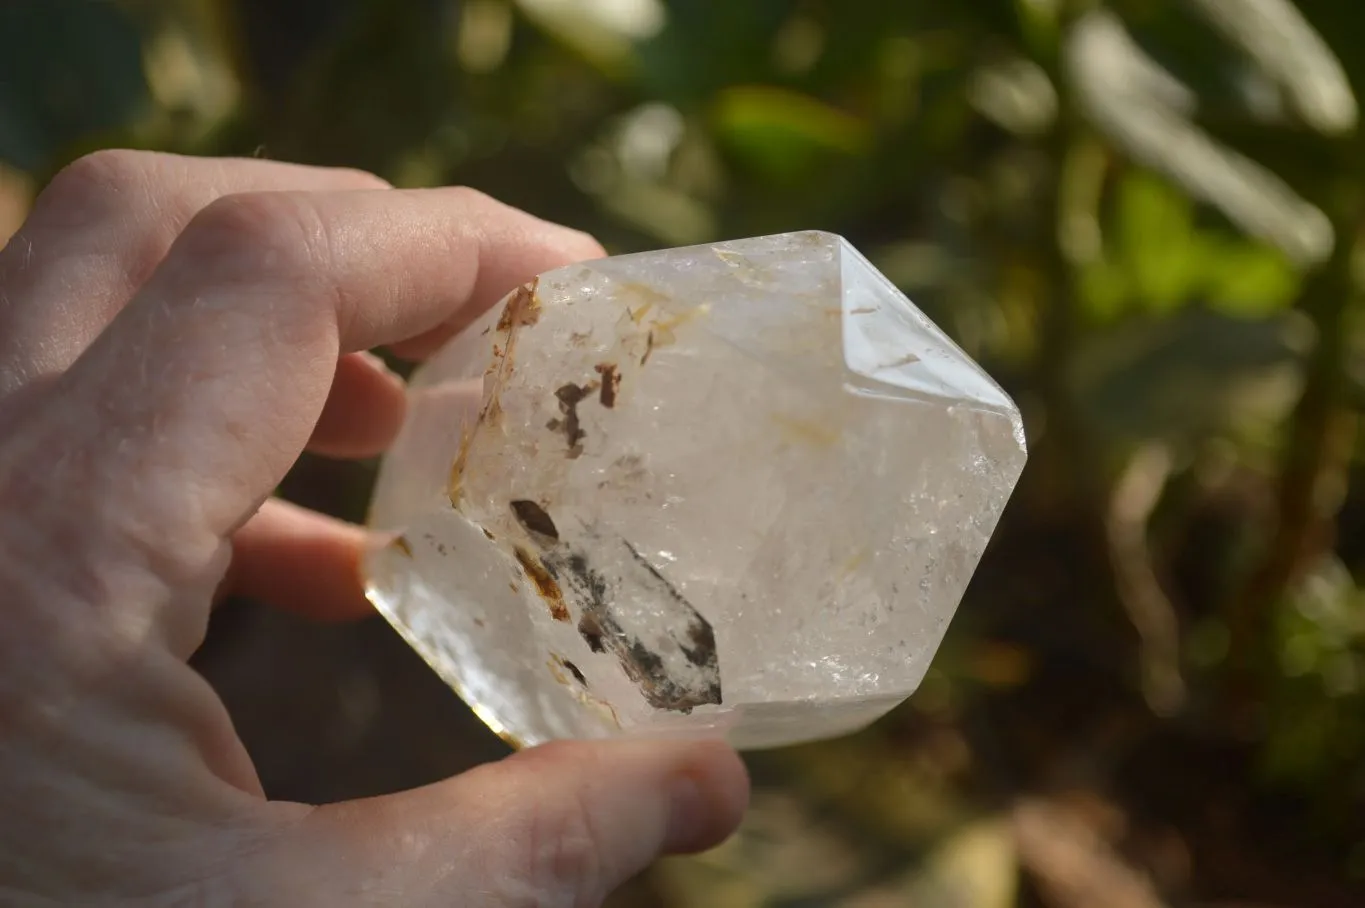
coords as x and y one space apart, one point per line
364 409
709 796
705 783
523 247
301 561
562 823
577 245
541 246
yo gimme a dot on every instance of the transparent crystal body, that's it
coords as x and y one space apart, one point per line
735 489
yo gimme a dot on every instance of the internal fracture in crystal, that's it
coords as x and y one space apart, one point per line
734 489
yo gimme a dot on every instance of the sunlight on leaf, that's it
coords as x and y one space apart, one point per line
1275 34
1154 234
1142 108
484 36
603 31
189 65
974 867
1073 865
1016 95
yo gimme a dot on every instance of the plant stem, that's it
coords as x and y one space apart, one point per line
1313 457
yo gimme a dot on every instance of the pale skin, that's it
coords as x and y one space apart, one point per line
174 332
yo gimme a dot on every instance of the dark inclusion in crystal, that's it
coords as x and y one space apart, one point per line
569 423
677 669
534 518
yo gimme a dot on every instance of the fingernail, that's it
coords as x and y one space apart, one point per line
580 244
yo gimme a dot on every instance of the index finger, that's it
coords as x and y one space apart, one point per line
205 388
99 229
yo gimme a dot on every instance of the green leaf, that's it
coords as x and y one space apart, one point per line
1246 279
1160 260
784 134
1155 228
1105 289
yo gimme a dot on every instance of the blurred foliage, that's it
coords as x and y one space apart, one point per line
1143 216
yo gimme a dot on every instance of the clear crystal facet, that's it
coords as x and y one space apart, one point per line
734 489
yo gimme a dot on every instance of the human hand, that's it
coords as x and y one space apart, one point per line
173 333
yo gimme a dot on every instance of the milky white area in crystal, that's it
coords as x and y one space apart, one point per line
736 489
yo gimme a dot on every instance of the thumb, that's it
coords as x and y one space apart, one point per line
562 824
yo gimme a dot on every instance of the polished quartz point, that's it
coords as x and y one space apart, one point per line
735 489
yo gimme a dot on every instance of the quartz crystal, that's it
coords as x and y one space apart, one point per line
733 490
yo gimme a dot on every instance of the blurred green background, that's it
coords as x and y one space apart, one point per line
1145 217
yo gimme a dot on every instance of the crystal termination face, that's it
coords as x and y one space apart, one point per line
735 489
